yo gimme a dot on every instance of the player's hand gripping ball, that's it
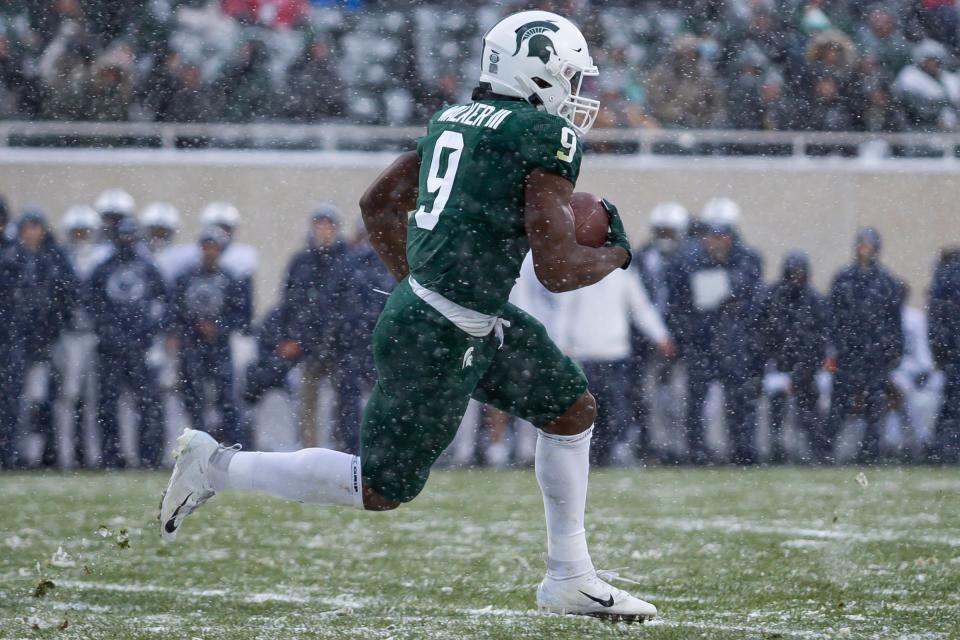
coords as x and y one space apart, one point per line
590 219
597 223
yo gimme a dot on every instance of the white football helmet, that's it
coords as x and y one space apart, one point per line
160 214
222 214
115 202
542 58
722 212
79 217
670 215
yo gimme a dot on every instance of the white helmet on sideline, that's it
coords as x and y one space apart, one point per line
81 216
542 58
722 212
160 214
670 215
115 202
222 214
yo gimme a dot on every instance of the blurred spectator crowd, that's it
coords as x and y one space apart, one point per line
822 65
111 325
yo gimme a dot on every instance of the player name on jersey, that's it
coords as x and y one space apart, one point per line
476 114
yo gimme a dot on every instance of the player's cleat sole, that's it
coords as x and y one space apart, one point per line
610 617
189 486
590 595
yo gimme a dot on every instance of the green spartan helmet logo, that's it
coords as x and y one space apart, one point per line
540 45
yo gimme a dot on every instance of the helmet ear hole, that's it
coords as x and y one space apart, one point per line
540 82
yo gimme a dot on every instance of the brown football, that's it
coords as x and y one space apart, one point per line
590 219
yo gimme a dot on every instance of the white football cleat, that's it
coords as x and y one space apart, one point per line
189 486
592 596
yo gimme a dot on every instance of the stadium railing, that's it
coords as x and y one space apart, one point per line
334 137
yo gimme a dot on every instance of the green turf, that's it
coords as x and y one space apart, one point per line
727 553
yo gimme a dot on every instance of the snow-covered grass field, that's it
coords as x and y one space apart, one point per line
725 553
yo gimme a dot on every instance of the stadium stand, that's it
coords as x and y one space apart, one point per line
815 65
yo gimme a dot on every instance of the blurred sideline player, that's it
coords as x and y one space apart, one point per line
160 222
206 306
240 261
669 222
491 179
45 291
126 299
75 353
112 205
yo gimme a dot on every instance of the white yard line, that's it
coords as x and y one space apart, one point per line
736 628
852 535
665 622
344 603
341 601
353 602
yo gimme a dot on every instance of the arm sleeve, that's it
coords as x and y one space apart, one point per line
176 325
745 278
237 317
289 281
761 324
159 307
823 326
835 309
66 293
245 288
645 316
897 337
679 305
292 301
91 297
942 315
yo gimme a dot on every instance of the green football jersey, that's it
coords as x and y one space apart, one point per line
466 240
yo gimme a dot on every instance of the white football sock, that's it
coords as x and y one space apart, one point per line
562 465
320 476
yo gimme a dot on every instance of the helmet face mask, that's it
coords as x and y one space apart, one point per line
542 58
580 112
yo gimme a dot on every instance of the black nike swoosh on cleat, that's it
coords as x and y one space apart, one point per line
578 51
171 527
603 603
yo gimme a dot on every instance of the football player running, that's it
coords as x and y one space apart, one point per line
453 220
